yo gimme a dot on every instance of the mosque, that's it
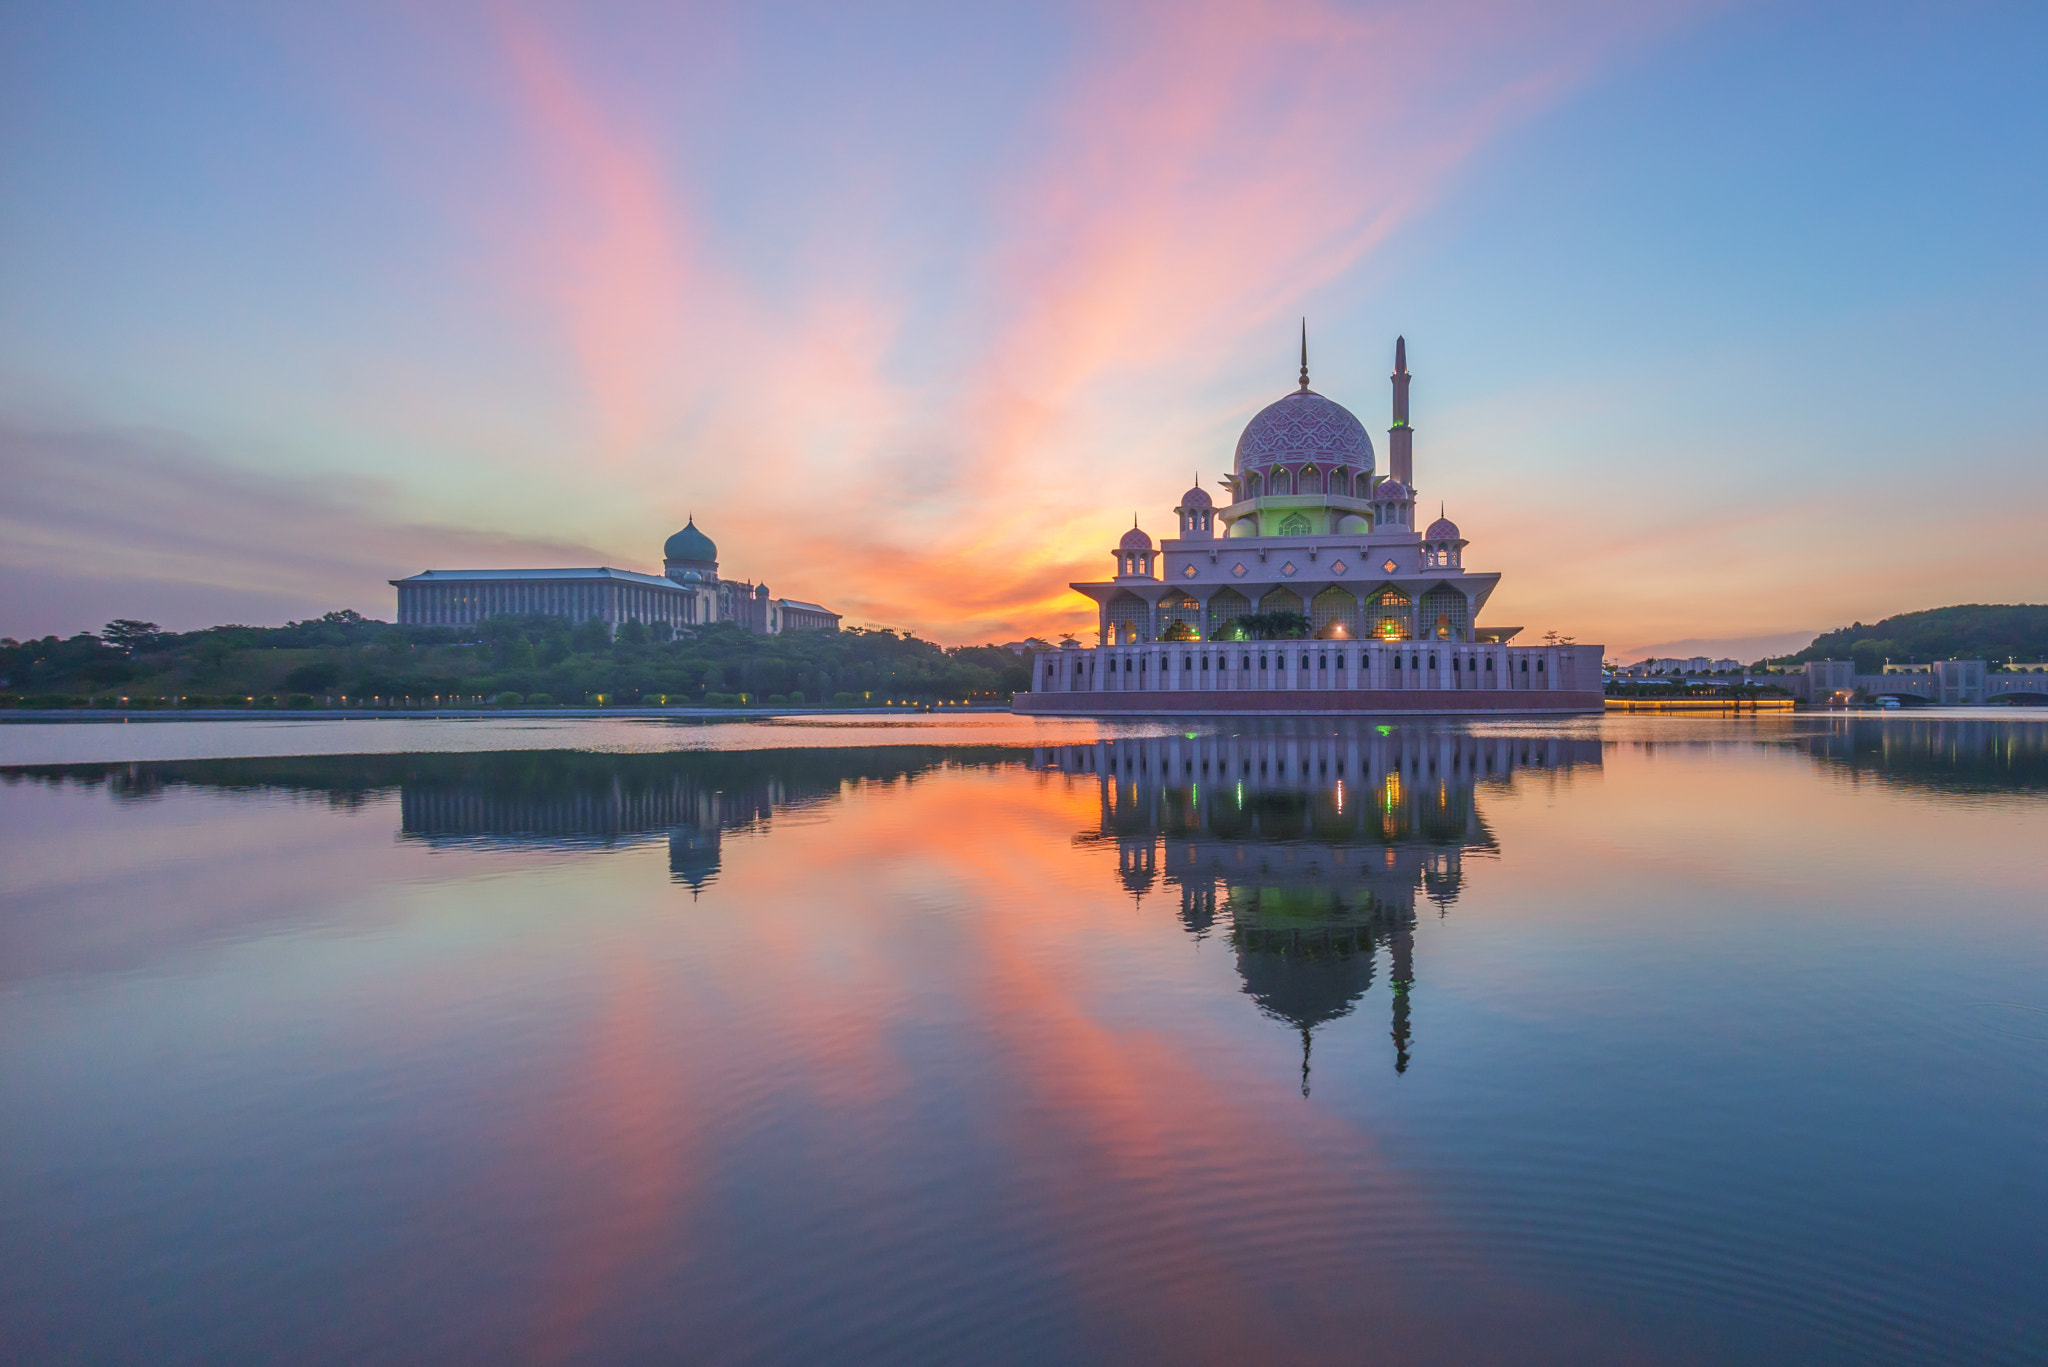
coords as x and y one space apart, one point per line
688 592
1309 589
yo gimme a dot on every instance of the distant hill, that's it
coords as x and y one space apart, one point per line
1972 631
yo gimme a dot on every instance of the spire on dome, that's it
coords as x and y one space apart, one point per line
1304 353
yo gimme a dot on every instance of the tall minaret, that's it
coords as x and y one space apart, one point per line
1401 437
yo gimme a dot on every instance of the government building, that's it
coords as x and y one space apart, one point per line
1308 589
688 593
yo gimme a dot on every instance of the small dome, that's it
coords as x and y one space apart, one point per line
1196 498
692 577
1443 529
1300 428
1135 540
690 544
1390 491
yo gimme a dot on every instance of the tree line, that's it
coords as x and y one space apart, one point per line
533 660
1971 631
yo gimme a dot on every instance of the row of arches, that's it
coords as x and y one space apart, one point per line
1279 479
1385 614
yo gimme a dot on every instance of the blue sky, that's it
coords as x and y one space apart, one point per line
1725 318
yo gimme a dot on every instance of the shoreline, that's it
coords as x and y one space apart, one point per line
105 714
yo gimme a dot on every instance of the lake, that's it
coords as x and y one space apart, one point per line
979 1039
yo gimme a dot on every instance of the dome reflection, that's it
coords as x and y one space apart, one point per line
1309 845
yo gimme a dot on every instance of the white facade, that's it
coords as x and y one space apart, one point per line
1308 590
1289 670
1309 527
689 594
615 597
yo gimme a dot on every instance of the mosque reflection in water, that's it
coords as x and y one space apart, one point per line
1309 849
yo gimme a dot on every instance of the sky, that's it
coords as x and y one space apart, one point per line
1725 319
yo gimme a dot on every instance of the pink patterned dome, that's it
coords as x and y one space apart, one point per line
1443 529
1301 428
1196 498
1135 540
1390 491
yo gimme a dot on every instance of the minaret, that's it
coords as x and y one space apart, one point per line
1401 945
1401 437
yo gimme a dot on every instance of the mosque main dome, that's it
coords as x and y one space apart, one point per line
1304 427
690 544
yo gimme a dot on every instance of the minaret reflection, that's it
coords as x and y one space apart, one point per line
1309 844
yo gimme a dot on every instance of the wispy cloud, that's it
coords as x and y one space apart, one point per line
930 400
99 524
1192 176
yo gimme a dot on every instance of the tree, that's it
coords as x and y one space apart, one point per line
126 633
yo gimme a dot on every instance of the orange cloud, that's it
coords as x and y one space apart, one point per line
1195 176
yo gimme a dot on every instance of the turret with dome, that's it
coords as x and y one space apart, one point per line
1313 542
690 549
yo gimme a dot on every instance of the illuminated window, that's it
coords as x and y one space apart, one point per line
1391 620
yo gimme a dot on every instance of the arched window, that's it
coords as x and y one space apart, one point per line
1281 600
1334 614
1311 481
1128 620
1281 483
1390 612
1444 615
1224 610
1294 524
1180 618
1253 488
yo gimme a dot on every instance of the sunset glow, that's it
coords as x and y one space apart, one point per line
912 310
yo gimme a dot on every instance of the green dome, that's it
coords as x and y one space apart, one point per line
690 544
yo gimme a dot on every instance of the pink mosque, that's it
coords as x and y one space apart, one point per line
1308 590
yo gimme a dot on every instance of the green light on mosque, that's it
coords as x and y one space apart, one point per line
1386 730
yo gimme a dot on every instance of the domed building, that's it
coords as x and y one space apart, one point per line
1313 544
688 593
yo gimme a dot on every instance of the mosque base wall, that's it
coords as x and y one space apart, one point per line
1316 702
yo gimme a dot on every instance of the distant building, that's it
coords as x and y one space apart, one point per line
689 593
1697 664
1948 683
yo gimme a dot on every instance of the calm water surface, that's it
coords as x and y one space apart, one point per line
1644 1040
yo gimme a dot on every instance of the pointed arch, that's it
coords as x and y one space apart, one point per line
1444 615
1333 614
1225 607
1281 600
1128 620
1180 618
1390 615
